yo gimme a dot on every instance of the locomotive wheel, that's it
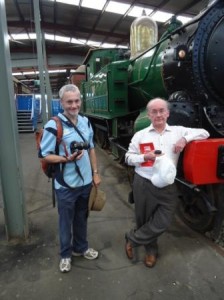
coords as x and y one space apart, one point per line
101 138
193 210
120 156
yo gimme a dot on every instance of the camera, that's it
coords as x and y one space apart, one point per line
76 147
158 152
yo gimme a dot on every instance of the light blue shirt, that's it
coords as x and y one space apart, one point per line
48 143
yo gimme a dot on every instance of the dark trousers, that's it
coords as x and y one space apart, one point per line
73 212
154 211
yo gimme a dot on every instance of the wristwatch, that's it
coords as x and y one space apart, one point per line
95 171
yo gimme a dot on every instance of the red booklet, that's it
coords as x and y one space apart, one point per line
144 148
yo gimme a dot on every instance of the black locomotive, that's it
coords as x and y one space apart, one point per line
186 67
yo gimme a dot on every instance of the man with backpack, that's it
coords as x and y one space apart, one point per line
75 164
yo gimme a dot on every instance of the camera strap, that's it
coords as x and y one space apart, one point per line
60 178
75 127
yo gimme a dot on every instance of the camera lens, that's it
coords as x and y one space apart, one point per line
77 146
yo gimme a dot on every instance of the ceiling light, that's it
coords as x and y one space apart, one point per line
122 46
49 36
71 2
29 73
32 36
20 36
108 45
76 41
17 74
93 43
117 7
161 16
59 38
99 4
136 11
57 71
82 41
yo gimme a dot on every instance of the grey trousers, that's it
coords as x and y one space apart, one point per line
154 211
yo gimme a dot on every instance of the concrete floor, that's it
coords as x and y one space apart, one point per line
189 266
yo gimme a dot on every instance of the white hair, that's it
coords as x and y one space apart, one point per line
148 106
68 88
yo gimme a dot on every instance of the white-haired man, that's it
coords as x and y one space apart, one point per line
155 205
77 170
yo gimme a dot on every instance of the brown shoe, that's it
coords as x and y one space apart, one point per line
128 248
150 260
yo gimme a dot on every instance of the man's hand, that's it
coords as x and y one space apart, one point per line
96 179
179 146
151 155
79 155
75 156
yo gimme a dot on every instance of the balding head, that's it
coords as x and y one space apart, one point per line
157 101
158 113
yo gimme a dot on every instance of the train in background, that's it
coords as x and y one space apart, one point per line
185 67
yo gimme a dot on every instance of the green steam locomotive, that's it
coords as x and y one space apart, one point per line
185 67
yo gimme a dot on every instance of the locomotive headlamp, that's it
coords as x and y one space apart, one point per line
182 54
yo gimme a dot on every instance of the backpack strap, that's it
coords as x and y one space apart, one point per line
60 170
59 128
59 135
76 128
59 141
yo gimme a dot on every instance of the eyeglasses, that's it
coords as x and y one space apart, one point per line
155 112
71 102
